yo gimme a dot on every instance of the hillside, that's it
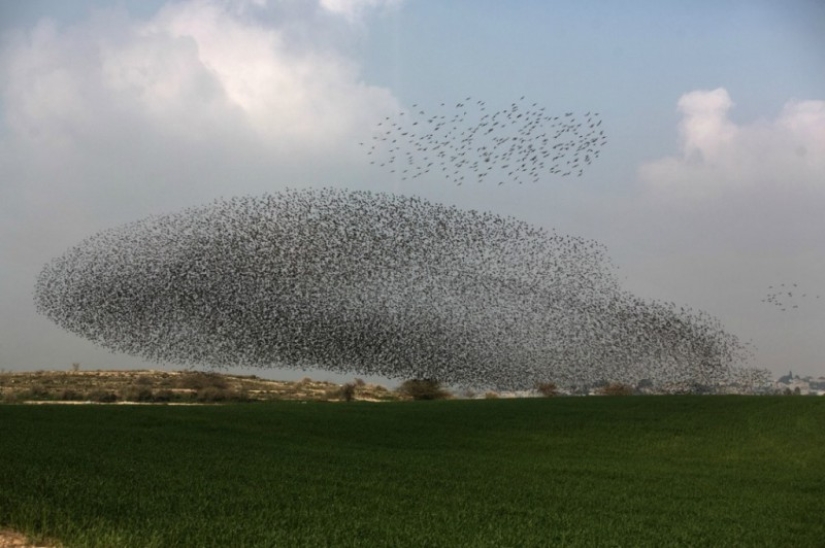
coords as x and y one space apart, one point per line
150 386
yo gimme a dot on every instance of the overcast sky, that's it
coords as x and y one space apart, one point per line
711 187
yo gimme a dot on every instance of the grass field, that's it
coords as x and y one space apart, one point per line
635 471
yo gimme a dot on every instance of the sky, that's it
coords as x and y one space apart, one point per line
709 193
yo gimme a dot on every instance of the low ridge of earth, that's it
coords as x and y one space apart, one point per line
173 387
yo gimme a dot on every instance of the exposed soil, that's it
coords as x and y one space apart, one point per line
172 387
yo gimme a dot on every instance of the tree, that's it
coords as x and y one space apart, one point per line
348 391
423 389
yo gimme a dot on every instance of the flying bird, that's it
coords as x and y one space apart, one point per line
521 135
372 283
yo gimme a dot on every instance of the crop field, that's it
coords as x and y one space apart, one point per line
598 471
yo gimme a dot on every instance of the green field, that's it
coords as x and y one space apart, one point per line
634 471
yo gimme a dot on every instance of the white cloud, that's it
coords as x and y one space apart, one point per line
114 113
736 188
314 96
705 128
195 67
718 156
352 9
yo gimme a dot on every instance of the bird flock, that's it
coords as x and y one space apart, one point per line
466 143
788 296
375 284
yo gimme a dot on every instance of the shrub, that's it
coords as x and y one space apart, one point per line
423 389
616 389
240 395
36 392
197 381
547 389
139 394
163 396
144 380
102 396
213 394
9 396
70 395
347 392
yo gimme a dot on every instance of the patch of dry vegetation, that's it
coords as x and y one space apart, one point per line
150 386
13 539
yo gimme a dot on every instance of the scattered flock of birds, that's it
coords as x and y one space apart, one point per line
788 296
468 143
375 284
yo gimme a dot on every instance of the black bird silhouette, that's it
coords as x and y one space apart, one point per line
787 296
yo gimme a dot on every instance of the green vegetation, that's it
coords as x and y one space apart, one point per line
634 471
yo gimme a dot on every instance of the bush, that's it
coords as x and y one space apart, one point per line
9 396
212 394
102 396
164 396
547 389
36 392
423 389
70 395
196 380
347 392
144 380
616 389
139 394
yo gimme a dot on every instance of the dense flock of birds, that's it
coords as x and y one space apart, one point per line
375 284
789 296
469 143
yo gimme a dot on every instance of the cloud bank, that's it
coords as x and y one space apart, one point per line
718 156
195 66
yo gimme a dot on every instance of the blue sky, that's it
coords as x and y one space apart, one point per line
710 188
